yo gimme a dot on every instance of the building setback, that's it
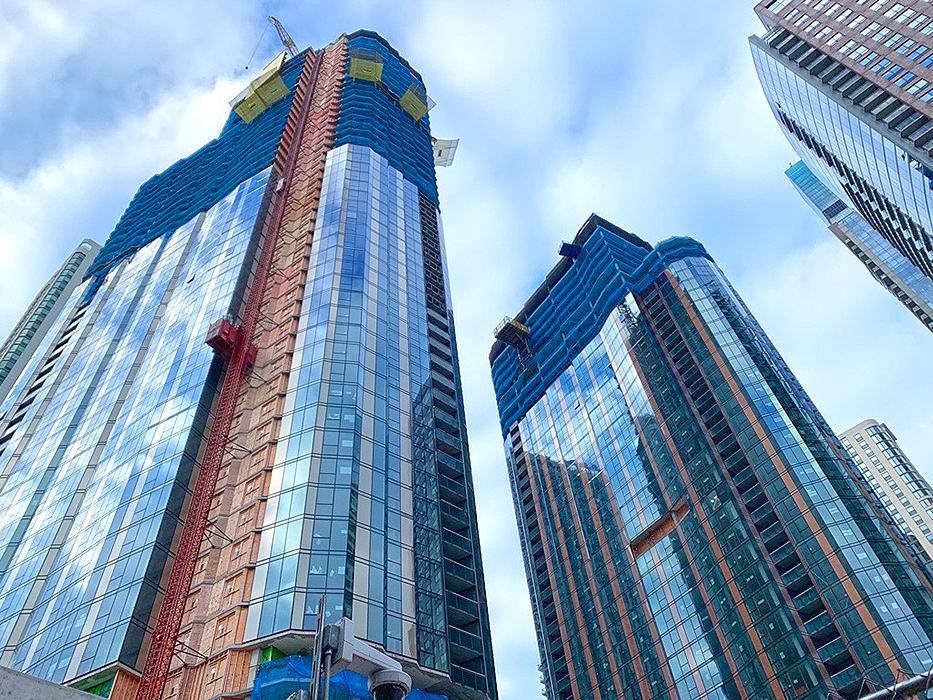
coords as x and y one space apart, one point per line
690 525
251 402
45 307
851 85
899 486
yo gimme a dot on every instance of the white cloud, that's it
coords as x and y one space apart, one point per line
82 191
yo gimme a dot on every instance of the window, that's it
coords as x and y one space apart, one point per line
894 39
894 10
918 52
905 78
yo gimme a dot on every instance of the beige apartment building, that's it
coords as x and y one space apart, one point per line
904 492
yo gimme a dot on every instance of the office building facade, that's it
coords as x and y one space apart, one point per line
252 403
42 312
851 84
887 265
898 484
690 525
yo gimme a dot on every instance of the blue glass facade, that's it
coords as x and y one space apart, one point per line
99 446
690 526
898 274
345 458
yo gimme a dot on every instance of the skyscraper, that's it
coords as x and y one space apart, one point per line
45 307
690 525
851 85
902 490
891 269
254 401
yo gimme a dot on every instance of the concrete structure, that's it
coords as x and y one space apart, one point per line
851 85
20 686
691 527
254 401
901 488
42 312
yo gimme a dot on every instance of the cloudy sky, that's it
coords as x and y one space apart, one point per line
648 113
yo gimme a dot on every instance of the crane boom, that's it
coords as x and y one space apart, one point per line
286 40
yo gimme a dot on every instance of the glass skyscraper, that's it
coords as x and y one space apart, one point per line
691 527
887 265
252 401
851 85
42 312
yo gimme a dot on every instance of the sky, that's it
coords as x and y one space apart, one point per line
647 113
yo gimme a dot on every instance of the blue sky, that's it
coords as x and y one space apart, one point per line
648 113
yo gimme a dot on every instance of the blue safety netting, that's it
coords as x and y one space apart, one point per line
277 680
370 115
196 183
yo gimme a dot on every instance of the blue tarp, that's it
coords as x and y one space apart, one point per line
277 680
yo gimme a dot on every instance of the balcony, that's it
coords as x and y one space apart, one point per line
460 609
448 465
451 490
453 517
464 645
808 604
447 443
457 576
469 678
456 545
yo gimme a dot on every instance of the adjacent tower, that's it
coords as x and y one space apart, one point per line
254 401
902 489
891 269
690 525
851 85
42 312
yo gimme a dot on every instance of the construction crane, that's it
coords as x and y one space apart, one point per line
286 40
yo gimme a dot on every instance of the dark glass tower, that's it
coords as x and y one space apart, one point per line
252 402
691 526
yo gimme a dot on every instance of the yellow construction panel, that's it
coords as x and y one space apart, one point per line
272 90
271 70
365 69
267 89
413 104
250 107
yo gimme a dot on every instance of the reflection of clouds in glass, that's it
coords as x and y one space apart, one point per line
97 575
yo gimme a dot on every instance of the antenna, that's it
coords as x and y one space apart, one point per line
286 40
